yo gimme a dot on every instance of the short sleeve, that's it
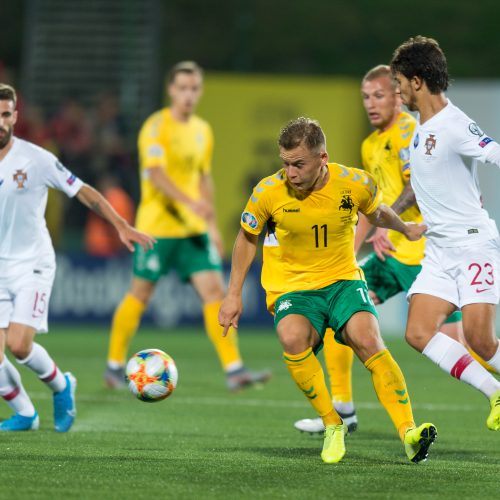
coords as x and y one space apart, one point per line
151 149
468 139
369 196
404 141
257 211
56 175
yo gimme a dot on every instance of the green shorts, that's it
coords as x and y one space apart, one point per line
331 306
186 255
389 278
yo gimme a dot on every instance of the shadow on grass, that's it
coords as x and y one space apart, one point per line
275 452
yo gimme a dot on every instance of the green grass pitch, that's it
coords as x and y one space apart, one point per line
206 443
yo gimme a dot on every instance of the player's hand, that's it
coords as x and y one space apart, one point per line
230 312
129 236
414 231
202 208
381 243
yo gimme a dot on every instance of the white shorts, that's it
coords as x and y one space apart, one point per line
25 299
460 275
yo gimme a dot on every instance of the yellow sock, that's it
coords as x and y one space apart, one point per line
338 359
226 347
307 373
125 323
481 361
391 390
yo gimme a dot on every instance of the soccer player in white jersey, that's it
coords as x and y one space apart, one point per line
462 253
27 266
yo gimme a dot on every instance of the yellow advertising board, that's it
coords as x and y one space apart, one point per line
247 113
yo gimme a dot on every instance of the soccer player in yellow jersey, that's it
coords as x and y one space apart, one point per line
395 262
312 279
175 149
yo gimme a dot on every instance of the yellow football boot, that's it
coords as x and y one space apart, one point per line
334 446
418 440
493 420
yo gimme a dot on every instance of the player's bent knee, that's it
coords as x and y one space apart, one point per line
418 338
294 342
486 348
20 351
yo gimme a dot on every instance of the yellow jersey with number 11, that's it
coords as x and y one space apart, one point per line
310 240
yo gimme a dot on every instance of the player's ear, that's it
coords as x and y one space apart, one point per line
416 82
324 157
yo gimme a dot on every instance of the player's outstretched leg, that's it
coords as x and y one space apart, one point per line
64 405
418 440
316 426
493 420
333 445
453 358
392 392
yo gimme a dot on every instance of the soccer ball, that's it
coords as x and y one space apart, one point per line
151 375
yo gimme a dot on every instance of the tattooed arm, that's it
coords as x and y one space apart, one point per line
94 200
405 200
381 244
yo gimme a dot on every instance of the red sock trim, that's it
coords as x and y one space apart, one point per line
461 365
12 394
51 377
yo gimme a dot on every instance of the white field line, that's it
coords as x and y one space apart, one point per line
262 403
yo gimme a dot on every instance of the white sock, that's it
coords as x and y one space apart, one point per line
344 408
495 360
453 358
12 390
235 366
43 365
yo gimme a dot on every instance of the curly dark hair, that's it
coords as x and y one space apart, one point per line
301 130
423 57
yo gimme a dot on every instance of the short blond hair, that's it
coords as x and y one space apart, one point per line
189 67
380 71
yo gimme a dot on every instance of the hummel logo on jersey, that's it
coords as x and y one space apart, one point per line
430 144
292 210
20 177
286 304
